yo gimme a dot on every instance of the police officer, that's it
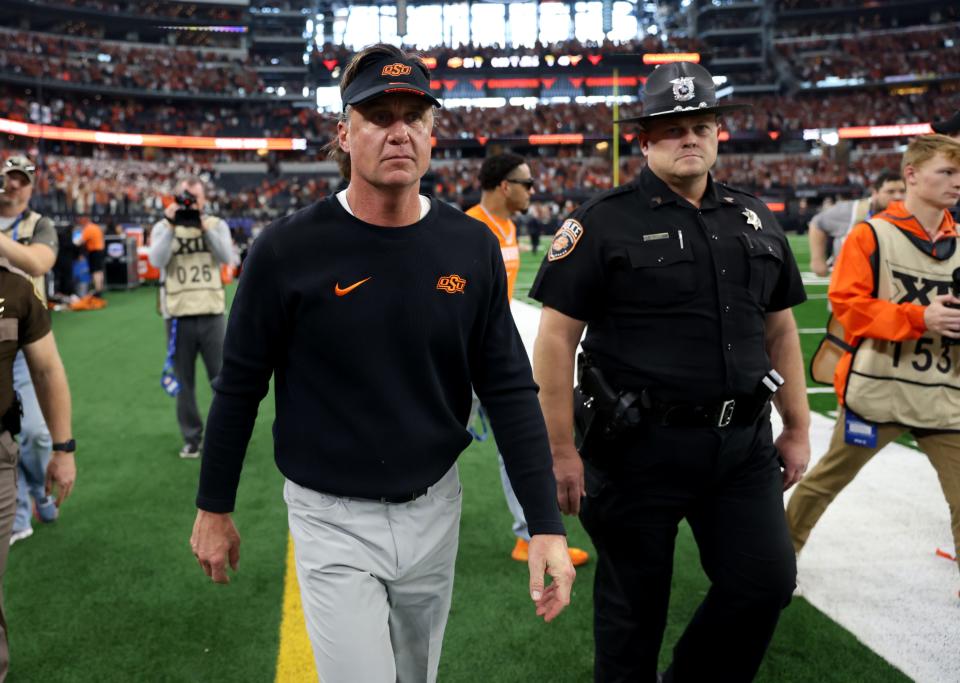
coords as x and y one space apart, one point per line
25 326
189 247
29 243
684 287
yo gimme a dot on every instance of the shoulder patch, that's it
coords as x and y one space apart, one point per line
565 240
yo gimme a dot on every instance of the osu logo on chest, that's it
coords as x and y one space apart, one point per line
451 284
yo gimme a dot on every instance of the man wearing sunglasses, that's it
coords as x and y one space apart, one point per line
507 185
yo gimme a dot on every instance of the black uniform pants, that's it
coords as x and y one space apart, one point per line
727 484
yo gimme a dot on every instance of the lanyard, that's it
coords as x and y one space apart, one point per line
507 241
16 226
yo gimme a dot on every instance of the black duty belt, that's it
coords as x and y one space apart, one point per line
735 412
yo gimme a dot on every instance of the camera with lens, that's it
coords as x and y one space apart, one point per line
187 212
955 290
186 200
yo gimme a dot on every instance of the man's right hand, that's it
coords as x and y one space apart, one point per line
170 210
943 319
568 470
215 541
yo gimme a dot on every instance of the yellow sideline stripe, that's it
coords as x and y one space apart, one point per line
295 661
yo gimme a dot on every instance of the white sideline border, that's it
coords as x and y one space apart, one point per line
870 564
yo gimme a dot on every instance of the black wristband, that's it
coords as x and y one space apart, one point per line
66 447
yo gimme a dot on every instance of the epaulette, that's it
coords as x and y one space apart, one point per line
582 210
736 190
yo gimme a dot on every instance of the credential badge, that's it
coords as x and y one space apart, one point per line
683 88
753 219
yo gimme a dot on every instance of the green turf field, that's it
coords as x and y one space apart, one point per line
111 592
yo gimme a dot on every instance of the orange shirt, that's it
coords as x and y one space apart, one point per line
92 237
851 289
506 232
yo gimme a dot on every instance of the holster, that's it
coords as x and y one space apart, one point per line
601 414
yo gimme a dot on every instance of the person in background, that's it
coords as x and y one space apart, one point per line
891 292
92 243
188 246
828 228
25 329
951 128
506 184
28 246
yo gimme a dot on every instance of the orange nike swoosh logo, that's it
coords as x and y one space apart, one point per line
343 291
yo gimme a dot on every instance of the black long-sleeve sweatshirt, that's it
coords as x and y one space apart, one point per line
375 336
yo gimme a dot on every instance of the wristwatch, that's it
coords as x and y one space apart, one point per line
66 446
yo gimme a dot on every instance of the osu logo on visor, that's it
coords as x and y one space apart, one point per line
451 284
396 70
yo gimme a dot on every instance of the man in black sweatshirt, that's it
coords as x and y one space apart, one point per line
377 310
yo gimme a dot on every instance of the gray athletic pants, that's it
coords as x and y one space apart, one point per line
196 335
376 580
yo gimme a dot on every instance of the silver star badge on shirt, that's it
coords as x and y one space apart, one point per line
753 219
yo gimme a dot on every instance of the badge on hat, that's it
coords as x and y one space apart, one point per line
565 240
753 219
683 89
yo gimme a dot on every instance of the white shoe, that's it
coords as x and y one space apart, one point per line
20 535
189 452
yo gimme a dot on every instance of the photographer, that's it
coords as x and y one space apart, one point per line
890 292
188 247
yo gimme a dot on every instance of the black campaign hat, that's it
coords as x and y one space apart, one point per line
382 74
950 126
680 89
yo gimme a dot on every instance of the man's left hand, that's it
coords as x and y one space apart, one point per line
62 472
794 447
548 555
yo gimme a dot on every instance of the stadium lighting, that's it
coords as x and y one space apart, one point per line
668 57
98 137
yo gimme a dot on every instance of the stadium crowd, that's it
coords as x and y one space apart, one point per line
869 57
105 186
113 64
70 110
169 10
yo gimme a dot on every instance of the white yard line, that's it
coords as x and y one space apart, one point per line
870 564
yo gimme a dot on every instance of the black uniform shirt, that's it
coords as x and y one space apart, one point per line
675 297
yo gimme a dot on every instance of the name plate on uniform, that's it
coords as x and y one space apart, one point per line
656 236
858 432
